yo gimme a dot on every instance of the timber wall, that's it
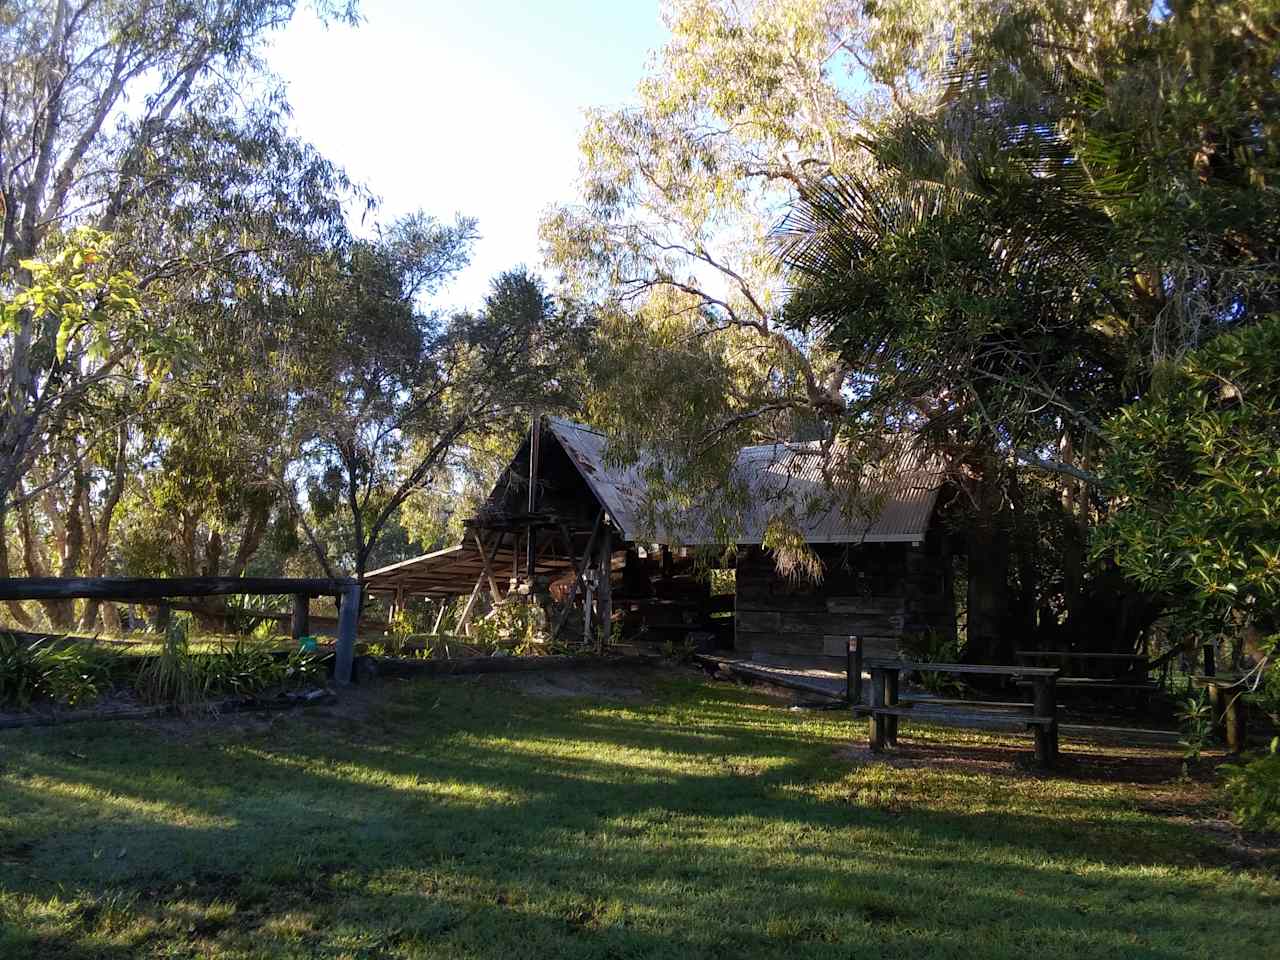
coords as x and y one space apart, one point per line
877 590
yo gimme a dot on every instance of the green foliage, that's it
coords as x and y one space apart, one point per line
1195 467
1195 719
183 678
931 646
1253 790
514 626
74 293
48 669
679 651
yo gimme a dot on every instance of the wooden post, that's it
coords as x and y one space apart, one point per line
588 600
301 623
1210 668
876 725
606 586
1235 718
464 621
853 671
1046 708
535 457
578 570
488 571
348 617
891 700
163 612
444 605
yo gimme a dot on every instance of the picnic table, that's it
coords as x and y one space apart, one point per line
886 708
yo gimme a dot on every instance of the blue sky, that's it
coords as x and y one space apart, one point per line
466 107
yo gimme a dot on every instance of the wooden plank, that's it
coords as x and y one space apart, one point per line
956 718
818 622
144 588
975 668
1071 654
605 577
884 648
775 677
1092 683
488 570
578 571
869 606
464 621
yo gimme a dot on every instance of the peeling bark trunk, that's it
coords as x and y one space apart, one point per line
15 608
62 613
100 539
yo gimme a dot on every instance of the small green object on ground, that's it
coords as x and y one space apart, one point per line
307 644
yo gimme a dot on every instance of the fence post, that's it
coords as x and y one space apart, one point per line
853 671
348 618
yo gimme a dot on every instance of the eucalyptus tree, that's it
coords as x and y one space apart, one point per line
388 391
95 95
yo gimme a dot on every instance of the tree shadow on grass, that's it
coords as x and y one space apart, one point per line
606 836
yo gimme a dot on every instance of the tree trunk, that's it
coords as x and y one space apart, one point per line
16 610
62 613
989 621
100 537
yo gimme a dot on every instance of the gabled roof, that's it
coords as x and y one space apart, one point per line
900 494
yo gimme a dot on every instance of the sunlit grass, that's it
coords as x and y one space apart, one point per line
460 818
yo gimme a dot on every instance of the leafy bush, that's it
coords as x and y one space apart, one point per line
1195 718
515 626
1195 470
934 647
1253 790
48 669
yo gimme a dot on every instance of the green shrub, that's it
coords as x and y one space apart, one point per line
934 647
175 677
180 678
48 669
1253 790
1195 719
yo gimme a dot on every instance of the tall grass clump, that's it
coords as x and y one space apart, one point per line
175 677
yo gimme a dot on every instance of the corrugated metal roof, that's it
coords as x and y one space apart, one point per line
894 501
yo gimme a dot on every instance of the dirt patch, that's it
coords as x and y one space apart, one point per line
602 684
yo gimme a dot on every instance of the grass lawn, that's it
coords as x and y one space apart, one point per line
465 818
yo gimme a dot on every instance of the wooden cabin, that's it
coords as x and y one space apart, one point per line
562 521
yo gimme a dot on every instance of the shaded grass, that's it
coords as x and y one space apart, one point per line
459 818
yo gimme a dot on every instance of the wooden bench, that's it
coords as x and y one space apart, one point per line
886 709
